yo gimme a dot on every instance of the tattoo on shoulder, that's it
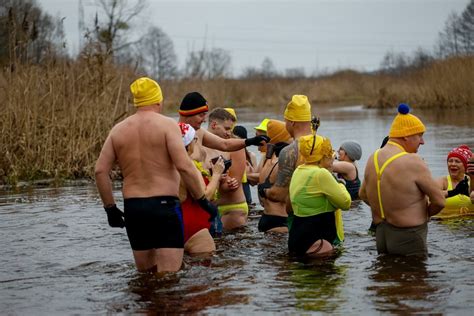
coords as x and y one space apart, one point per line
286 165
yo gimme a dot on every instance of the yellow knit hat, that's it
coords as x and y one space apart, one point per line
146 92
299 109
405 124
322 148
277 132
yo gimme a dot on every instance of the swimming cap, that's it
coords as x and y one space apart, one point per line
352 149
322 148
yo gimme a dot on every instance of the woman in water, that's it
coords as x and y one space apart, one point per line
349 152
316 197
456 185
197 221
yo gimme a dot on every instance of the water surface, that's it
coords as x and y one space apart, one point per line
60 256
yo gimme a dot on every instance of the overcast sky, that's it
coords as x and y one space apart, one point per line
315 34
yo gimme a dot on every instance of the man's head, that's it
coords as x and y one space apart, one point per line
193 110
221 123
407 128
297 112
146 92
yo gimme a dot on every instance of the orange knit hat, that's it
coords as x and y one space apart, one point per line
405 124
277 132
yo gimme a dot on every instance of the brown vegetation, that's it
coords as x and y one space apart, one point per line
55 117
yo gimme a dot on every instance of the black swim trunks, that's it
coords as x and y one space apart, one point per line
305 231
154 222
268 222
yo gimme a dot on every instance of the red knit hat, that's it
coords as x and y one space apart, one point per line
462 152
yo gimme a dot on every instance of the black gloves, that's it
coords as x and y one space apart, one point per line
461 188
257 140
206 205
114 216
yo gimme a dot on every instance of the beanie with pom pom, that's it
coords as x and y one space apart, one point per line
405 124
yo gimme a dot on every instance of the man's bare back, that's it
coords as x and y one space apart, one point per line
405 183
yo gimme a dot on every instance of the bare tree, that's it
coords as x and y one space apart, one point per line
208 64
158 55
268 68
118 15
28 34
466 29
218 63
295 73
448 39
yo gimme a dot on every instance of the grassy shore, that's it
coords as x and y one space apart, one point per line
55 117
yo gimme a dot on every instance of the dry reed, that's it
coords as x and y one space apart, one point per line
55 117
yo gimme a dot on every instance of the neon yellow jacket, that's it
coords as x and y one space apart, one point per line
314 190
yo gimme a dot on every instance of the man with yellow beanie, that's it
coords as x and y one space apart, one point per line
298 123
149 151
396 185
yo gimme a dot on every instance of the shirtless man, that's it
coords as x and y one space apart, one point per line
149 151
193 111
399 203
298 123
232 204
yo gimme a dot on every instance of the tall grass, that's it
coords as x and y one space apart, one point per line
55 117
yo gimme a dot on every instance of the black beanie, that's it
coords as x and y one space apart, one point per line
240 131
193 103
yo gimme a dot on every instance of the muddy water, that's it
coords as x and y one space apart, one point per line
60 257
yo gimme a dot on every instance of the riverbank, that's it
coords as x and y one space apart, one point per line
56 117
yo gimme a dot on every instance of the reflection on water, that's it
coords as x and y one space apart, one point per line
318 285
401 285
60 257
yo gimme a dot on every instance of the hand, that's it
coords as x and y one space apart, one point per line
114 216
461 188
232 183
259 140
208 207
470 167
218 166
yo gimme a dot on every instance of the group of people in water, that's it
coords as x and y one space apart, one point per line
183 184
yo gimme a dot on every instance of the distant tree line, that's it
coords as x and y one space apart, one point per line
30 36
456 39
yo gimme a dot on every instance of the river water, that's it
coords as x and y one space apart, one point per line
59 256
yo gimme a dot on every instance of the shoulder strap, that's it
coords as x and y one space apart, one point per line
379 172
267 179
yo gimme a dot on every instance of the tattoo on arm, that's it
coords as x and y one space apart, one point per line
286 166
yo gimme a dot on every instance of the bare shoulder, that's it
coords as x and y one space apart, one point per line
286 165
